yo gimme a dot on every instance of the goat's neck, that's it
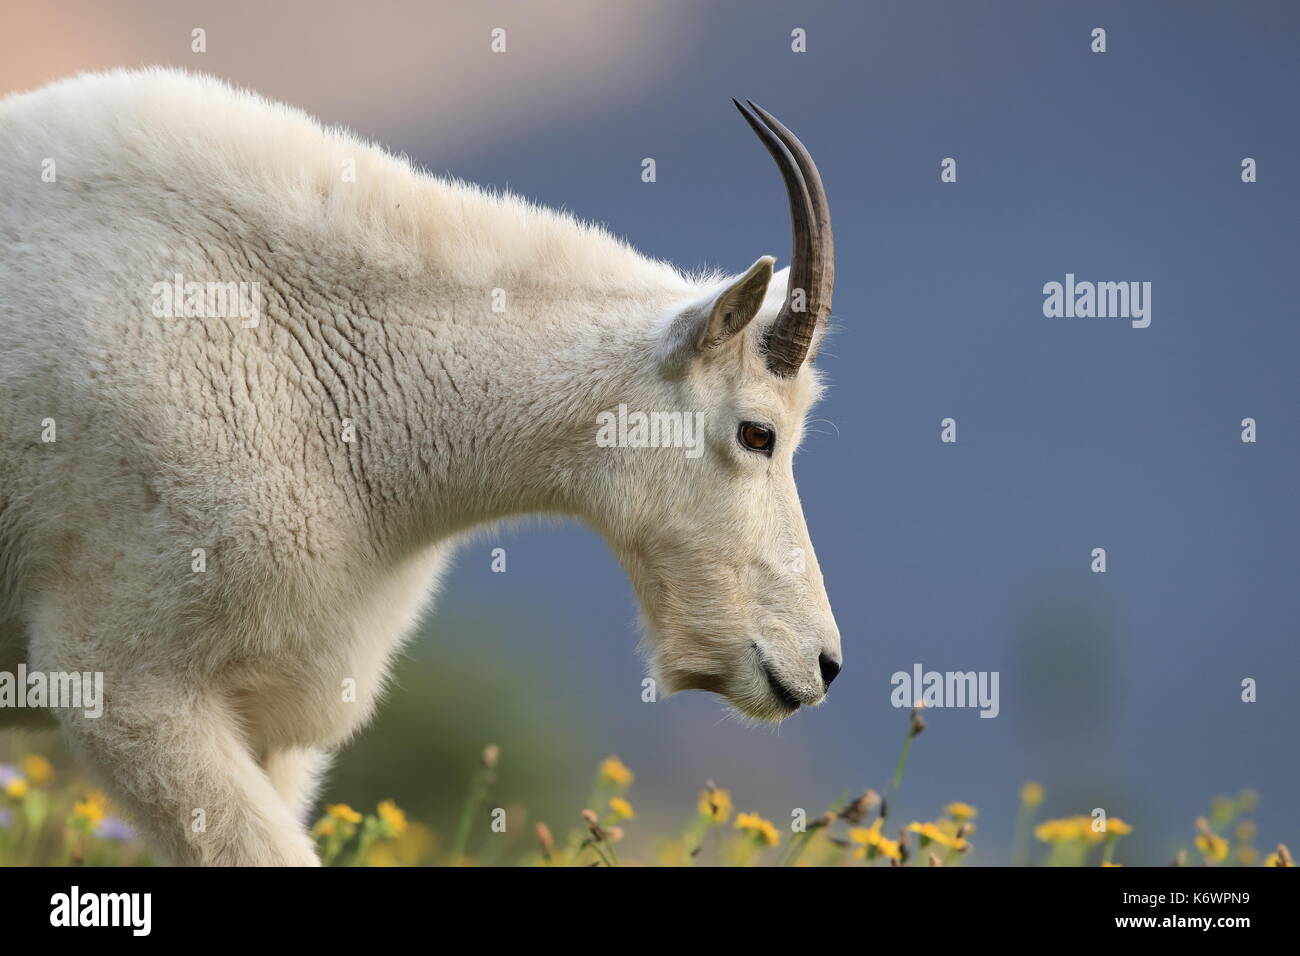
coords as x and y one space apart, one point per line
493 414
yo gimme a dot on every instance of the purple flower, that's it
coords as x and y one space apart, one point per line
115 828
8 772
6 819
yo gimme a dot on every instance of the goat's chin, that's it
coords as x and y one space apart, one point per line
752 692
751 700
758 704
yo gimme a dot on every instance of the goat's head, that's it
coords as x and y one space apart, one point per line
713 534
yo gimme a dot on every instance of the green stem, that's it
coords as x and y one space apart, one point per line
369 833
1108 854
333 844
595 846
902 765
791 852
477 791
1020 835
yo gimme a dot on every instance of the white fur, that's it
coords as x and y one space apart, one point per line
225 689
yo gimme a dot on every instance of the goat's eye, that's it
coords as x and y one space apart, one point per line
757 437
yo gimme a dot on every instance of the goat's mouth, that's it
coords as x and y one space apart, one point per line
782 693
776 702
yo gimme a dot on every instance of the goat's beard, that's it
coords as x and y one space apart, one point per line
729 667
747 691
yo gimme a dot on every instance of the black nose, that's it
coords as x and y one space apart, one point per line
830 668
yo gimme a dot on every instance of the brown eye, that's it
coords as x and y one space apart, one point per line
757 437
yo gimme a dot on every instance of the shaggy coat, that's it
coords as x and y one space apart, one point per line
237 519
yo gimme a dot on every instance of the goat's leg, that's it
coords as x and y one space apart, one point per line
172 756
168 749
297 775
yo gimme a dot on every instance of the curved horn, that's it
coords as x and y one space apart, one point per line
812 266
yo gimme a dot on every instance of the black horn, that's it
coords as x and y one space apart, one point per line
812 265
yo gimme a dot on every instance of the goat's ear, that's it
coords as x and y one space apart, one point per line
704 327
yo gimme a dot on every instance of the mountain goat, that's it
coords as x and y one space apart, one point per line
258 377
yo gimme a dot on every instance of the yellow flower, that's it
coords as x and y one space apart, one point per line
960 811
890 849
1079 828
622 809
760 829
716 805
1091 831
1032 794
1049 831
38 769
1108 863
1247 855
931 833
874 842
343 813
391 815
1212 846
616 772
867 836
16 788
1281 858
1063 830
1245 831
326 827
92 810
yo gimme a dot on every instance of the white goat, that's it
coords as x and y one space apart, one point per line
238 518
